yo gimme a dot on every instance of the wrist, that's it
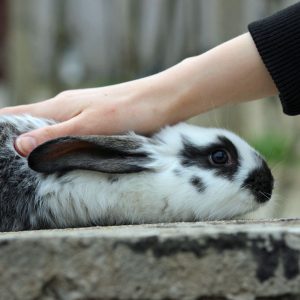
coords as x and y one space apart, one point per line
177 93
153 98
229 73
189 89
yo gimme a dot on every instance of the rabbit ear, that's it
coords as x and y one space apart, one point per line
107 154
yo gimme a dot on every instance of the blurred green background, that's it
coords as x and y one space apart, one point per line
47 46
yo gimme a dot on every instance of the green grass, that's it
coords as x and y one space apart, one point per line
275 148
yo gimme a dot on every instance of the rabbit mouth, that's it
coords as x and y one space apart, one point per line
260 183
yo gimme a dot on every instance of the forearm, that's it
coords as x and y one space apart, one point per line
230 73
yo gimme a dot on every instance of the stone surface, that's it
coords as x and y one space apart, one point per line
214 261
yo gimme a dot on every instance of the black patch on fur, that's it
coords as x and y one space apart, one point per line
177 172
113 179
199 156
260 182
198 184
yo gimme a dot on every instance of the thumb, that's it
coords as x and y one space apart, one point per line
26 142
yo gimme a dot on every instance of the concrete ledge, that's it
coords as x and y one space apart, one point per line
215 261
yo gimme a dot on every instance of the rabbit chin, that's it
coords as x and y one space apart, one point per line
233 207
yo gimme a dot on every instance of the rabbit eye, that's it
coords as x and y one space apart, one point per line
219 157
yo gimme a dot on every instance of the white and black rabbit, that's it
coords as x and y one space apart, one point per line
181 173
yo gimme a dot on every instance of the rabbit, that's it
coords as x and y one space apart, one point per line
181 173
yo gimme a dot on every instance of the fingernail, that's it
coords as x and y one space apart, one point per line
25 144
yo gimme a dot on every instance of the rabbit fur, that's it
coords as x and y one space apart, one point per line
127 179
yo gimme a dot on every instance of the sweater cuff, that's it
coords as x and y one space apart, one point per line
277 39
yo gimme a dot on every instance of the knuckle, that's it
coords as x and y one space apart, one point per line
49 132
63 95
69 96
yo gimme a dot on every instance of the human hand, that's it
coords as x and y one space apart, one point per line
113 109
230 73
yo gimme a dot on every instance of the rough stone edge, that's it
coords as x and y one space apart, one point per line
275 245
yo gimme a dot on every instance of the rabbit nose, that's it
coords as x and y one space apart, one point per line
260 182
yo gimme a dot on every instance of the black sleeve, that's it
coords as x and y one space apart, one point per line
277 39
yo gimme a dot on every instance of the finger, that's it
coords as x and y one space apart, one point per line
25 143
20 109
44 109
